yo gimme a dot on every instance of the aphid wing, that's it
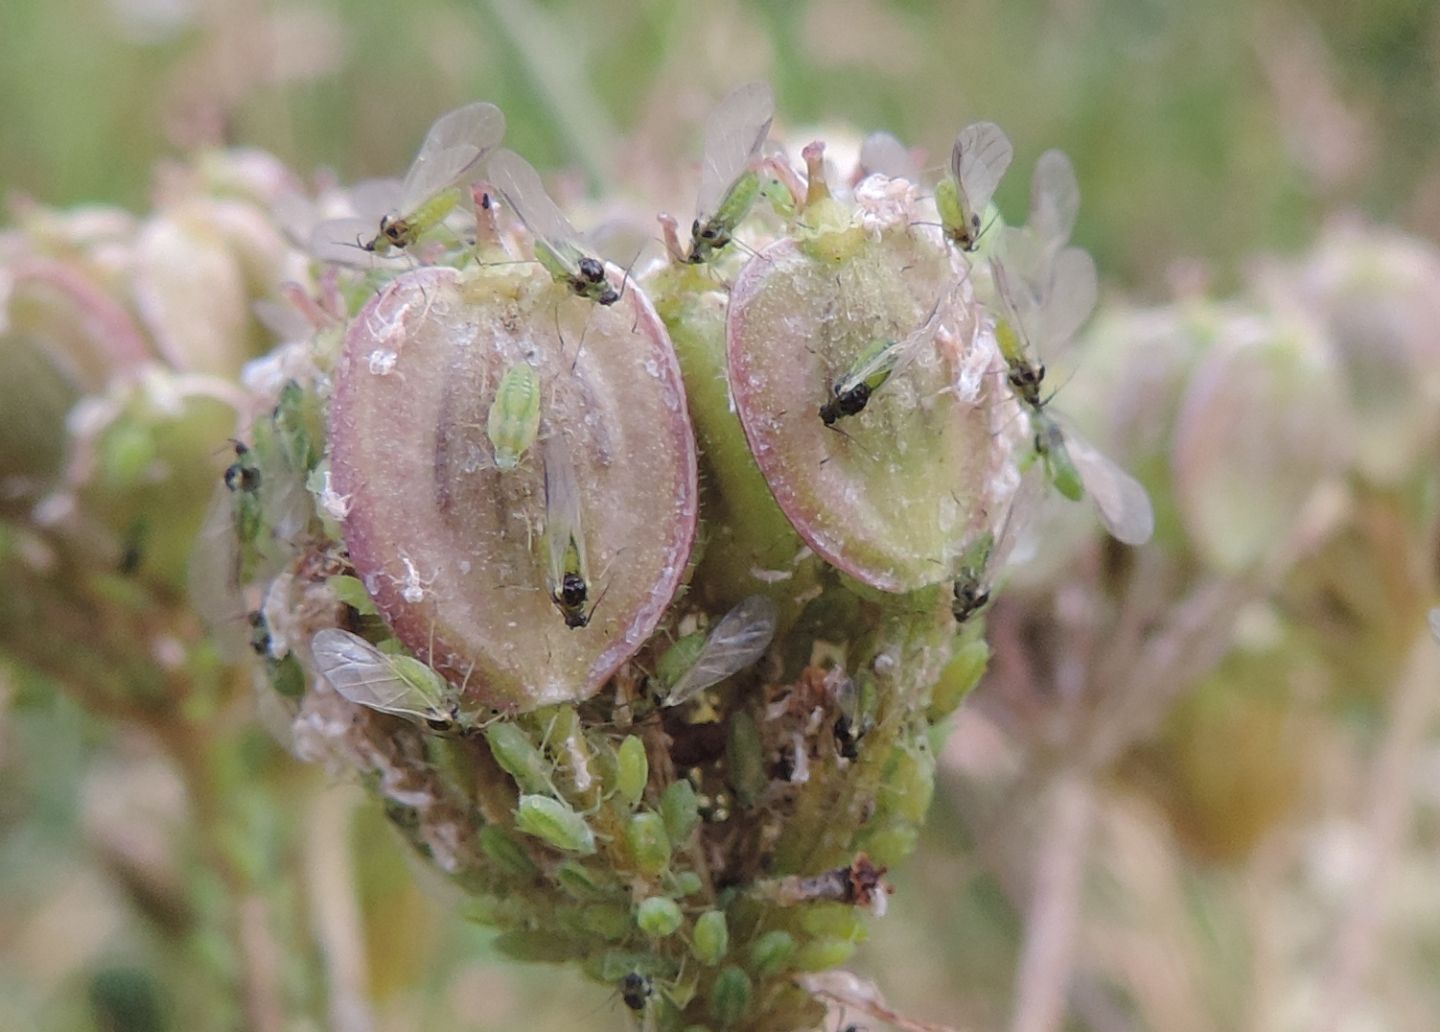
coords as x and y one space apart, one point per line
1122 503
734 133
213 578
371 198
562 507
455 144
364 675
1071 296
738 640
885 154
1054 199
982 154
520 185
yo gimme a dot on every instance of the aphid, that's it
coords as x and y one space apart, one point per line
242 479
855 719
456 143
568 579
514 418
884 154
737 641
981 155
971 588
881 360
636 990
557 245
1077 469
1025 373
394 684
729 184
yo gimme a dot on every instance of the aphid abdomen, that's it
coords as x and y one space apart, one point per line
514 418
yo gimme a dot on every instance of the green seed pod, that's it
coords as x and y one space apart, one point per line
822 954
658 916
649 845
581 883
553 822
287 677
506 853
730 996
680 810
833 921
712 937
632 769
514 418
687 883
744 758
888 842
608 920
519 757
771 953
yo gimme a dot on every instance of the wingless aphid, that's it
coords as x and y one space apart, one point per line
729 183
881 360
394 684
455 145
567 576
514 417
557 245
978 161
737 641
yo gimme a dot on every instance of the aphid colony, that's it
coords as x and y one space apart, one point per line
1040 289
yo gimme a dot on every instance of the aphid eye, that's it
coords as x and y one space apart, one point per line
975 221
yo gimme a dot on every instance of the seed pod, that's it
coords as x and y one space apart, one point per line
770 953
507 853
649 845
553 822
711 939
608 920
895 498
581 882
730 996
822 954
632 769
687 883
680 810
447 545
658 916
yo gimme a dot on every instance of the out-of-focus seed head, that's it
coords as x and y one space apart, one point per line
1263 425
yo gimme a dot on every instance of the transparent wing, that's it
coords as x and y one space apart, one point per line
1069 298
1123 505
1015 524
520 185
455 144
365 676
213 579
734 133
1054 199
904 351
982 154
1435 624
738 640
372 198
1017 304
885 154
562 506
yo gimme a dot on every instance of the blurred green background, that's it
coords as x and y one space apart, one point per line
1199 130
1202 134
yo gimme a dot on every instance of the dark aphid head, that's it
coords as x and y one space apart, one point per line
395 230
636 990
608 296
970 598
241 476
259 633
847 737
592 270
845 403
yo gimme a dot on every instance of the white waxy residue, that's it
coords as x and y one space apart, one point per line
382 361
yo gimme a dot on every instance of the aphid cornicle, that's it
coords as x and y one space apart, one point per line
978 161
881 360
729 185
557 245
568 579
